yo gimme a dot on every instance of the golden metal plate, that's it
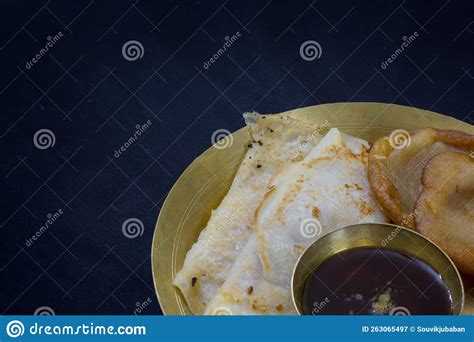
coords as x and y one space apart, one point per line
205 182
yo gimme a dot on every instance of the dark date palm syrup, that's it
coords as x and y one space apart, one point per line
370 281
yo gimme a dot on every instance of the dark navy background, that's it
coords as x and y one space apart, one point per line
92 98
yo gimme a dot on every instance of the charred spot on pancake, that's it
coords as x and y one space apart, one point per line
250 145
315 212
279 307
365 209
259 305
353 186
250 290
193 281
259 166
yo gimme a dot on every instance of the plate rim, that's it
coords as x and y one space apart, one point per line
294 113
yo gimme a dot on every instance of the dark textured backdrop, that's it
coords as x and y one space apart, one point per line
86 94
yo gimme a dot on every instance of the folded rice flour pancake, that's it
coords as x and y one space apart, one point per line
327 190
276 142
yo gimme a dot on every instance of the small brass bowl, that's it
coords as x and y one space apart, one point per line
383 236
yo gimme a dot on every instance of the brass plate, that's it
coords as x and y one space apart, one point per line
205 182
